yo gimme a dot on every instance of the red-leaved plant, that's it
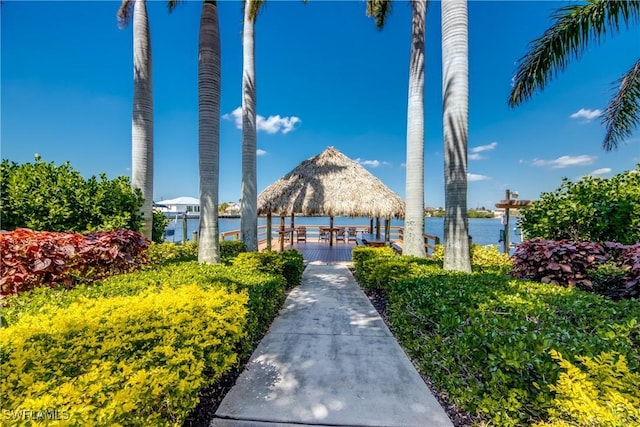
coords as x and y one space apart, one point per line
630 260
569 263
561 262
40 258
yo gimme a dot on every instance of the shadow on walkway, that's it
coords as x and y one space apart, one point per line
329 360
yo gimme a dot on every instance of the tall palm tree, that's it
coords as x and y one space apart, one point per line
574 28
208 130
414 190
455 91
142 121
249 198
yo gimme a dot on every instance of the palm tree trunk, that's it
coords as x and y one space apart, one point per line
142 122
414 218
455 82
209 132
249 201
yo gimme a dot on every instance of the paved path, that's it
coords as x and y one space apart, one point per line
329 360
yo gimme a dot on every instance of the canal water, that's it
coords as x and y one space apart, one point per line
484 231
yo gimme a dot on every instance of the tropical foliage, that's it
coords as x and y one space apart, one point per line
575 27
39 258
43 196
135 360
590 210
138 348
610 269
599 391
486 340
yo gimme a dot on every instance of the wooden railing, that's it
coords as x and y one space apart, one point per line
313 232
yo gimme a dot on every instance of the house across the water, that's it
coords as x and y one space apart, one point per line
180 205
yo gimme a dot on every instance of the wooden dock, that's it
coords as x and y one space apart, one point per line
317 251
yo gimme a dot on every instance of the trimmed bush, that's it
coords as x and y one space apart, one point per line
37 258
288 264
231 248
483 258
361 254
129 360
485 339
266 292
293 267
166 252
378 273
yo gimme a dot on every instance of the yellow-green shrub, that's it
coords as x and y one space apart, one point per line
379 273
134 360
361 254
489 258
604 393
266 292
160 253
483 258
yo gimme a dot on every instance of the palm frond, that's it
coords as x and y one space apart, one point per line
172 4
124 13
255 8
379 10
622 114
574 28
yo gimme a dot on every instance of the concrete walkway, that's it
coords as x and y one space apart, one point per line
329 360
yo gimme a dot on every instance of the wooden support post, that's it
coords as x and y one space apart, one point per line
387 230
281 233
330 231
506 223
269 237
293 215
371 226
184 228
377 227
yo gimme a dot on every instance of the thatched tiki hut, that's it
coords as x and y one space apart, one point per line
329 184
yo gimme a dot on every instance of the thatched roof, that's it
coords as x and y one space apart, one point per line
330 184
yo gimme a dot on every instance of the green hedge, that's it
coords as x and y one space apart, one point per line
123 360
161 253
360 254
289 264
486 339
266 292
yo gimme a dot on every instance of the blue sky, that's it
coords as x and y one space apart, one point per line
325 77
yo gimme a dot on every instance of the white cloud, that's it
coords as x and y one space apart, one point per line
403 165
271 124
565 161
487 147
602 171
472 177
585 114
475 151
260 152
372 163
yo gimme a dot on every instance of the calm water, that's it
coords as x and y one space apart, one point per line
483 231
